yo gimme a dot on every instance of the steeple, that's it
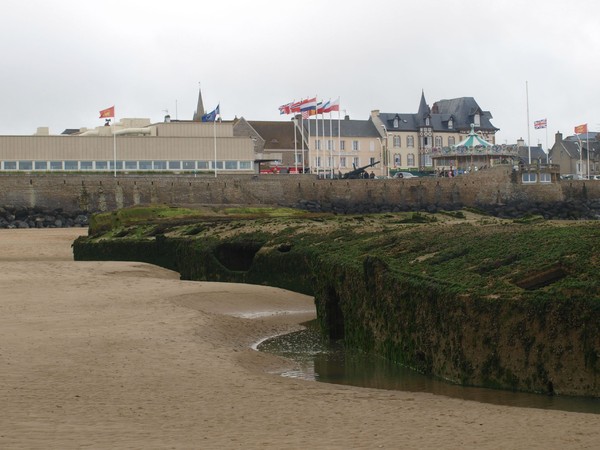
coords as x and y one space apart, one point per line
423 108
199 109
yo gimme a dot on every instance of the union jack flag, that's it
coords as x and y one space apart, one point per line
538 124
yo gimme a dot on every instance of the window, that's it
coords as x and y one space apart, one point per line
427 122
145 165
372 146
231 165
174 165
397 159
25 165
427 161
203 165
438 141
451 140
410 159
101 165
40 165
318 161
71 165
189 165
545 178
159 165
397 141
130 165
426 141
396 122
356 161
477 120
330 145
86 165
219 164
10 165
371 160
318 144
56 165
342 145
355 146
410 141
111 164
450 123
342 161
529 177
245 165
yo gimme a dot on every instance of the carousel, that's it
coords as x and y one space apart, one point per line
471 154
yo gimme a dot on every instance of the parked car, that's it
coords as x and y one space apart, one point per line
404 175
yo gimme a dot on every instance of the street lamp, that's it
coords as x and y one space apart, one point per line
386 152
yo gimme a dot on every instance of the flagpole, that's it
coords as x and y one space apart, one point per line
547 149
316 132
588 152
528 138
302 146
115 148
310 153
339 138
331 148
295 145
215 142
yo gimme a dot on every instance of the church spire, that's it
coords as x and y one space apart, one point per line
200 108
423 108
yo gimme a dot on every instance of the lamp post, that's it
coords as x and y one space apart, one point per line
580 157
386 152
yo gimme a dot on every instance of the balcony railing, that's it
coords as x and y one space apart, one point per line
494 150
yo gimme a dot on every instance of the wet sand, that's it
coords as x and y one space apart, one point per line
125 355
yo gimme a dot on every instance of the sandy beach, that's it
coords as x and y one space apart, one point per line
115 355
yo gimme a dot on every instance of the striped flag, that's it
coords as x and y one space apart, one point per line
581 129
285 109
333 106
539 124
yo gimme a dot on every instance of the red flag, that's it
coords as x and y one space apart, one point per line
334 106
108 112
581 129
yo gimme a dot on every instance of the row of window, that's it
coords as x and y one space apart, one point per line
410 141
123 165
345 162
531 177
330 143
410 160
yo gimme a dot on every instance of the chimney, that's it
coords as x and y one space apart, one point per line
520 142
558 137
167 118
346 117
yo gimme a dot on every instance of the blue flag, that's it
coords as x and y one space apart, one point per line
211 116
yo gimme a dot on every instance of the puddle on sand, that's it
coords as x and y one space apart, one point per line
316 361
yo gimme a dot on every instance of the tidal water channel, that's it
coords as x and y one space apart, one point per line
315 360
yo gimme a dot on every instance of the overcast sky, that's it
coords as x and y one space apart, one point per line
64 60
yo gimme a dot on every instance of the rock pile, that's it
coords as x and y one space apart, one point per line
14 217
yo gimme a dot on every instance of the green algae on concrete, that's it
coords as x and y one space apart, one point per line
469 298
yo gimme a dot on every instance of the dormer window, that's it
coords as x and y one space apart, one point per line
396 122
427 121
450 123
477 120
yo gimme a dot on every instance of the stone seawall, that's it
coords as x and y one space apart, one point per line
95 192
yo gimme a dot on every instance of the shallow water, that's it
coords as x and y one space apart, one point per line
316 361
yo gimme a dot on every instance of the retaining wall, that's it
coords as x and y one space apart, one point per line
94 192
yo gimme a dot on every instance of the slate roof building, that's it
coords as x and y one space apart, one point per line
578 156
339 146
415 140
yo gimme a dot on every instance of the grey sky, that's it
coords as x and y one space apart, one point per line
65 60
